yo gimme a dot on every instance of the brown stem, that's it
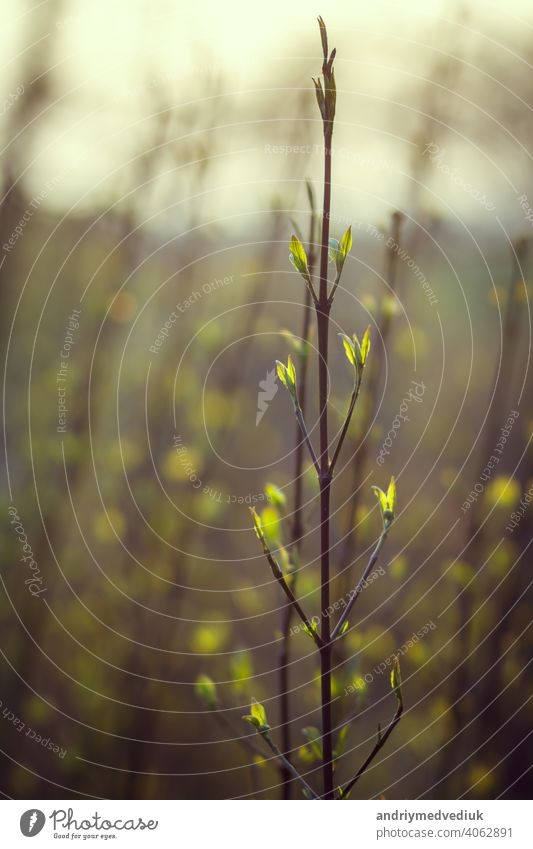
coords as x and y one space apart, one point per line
293 771
360 585
280 578
382 739
322 314
346 424
297 530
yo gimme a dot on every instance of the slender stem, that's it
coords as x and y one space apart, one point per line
307 440
280 578
287 764
361 583
297 523
334 289
382 739
346 424
324 477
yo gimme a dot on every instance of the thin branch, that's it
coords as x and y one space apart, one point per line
382 739
247 740
280 578
297 525
346 425
326 99
287 764
307 439
361 583
334 288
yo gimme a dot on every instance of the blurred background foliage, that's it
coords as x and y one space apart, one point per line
144 150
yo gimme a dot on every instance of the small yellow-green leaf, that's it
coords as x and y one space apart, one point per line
257 525
348 348
344 628
310 631
382 498
291 372
391 496
365 345
396 678
298 256
282 372
346 243
259 713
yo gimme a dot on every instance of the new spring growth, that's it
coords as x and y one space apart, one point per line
257 717
396 680
262 537
287 375
298 258
327 95
258 527
338 251
357 352
387 502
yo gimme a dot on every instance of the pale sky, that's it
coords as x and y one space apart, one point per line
107 50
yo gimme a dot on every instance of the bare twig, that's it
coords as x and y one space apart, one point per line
297 522
382 739
361 583
287 764
280 578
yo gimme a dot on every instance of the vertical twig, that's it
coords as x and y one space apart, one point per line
322 315
297 521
